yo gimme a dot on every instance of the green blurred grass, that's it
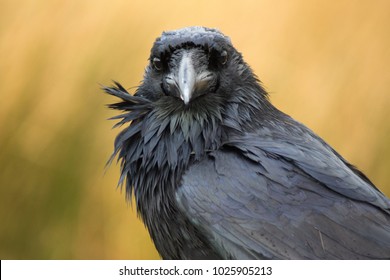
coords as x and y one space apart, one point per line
326 64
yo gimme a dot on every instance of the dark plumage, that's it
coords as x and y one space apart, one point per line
219 173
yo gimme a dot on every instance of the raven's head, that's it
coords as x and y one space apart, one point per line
189 63
192 64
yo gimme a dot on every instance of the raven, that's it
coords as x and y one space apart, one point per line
217 172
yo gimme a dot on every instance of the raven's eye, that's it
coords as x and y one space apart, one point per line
224 57
157 64
217 58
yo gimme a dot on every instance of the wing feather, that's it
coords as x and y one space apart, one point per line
272 209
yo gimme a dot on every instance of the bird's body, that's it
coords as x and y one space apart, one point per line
219 173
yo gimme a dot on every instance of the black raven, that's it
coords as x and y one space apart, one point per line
218 172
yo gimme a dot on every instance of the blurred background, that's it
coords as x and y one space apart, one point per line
326 63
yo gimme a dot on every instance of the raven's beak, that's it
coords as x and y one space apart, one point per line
186 78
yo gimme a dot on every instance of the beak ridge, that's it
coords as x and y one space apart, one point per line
187 78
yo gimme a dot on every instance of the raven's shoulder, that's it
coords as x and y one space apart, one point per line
287 139
268 207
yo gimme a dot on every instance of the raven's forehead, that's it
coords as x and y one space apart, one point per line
193 33
194 36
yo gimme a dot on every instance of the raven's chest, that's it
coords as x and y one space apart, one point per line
155 159
174 236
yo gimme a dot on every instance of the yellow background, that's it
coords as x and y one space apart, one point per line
326 63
